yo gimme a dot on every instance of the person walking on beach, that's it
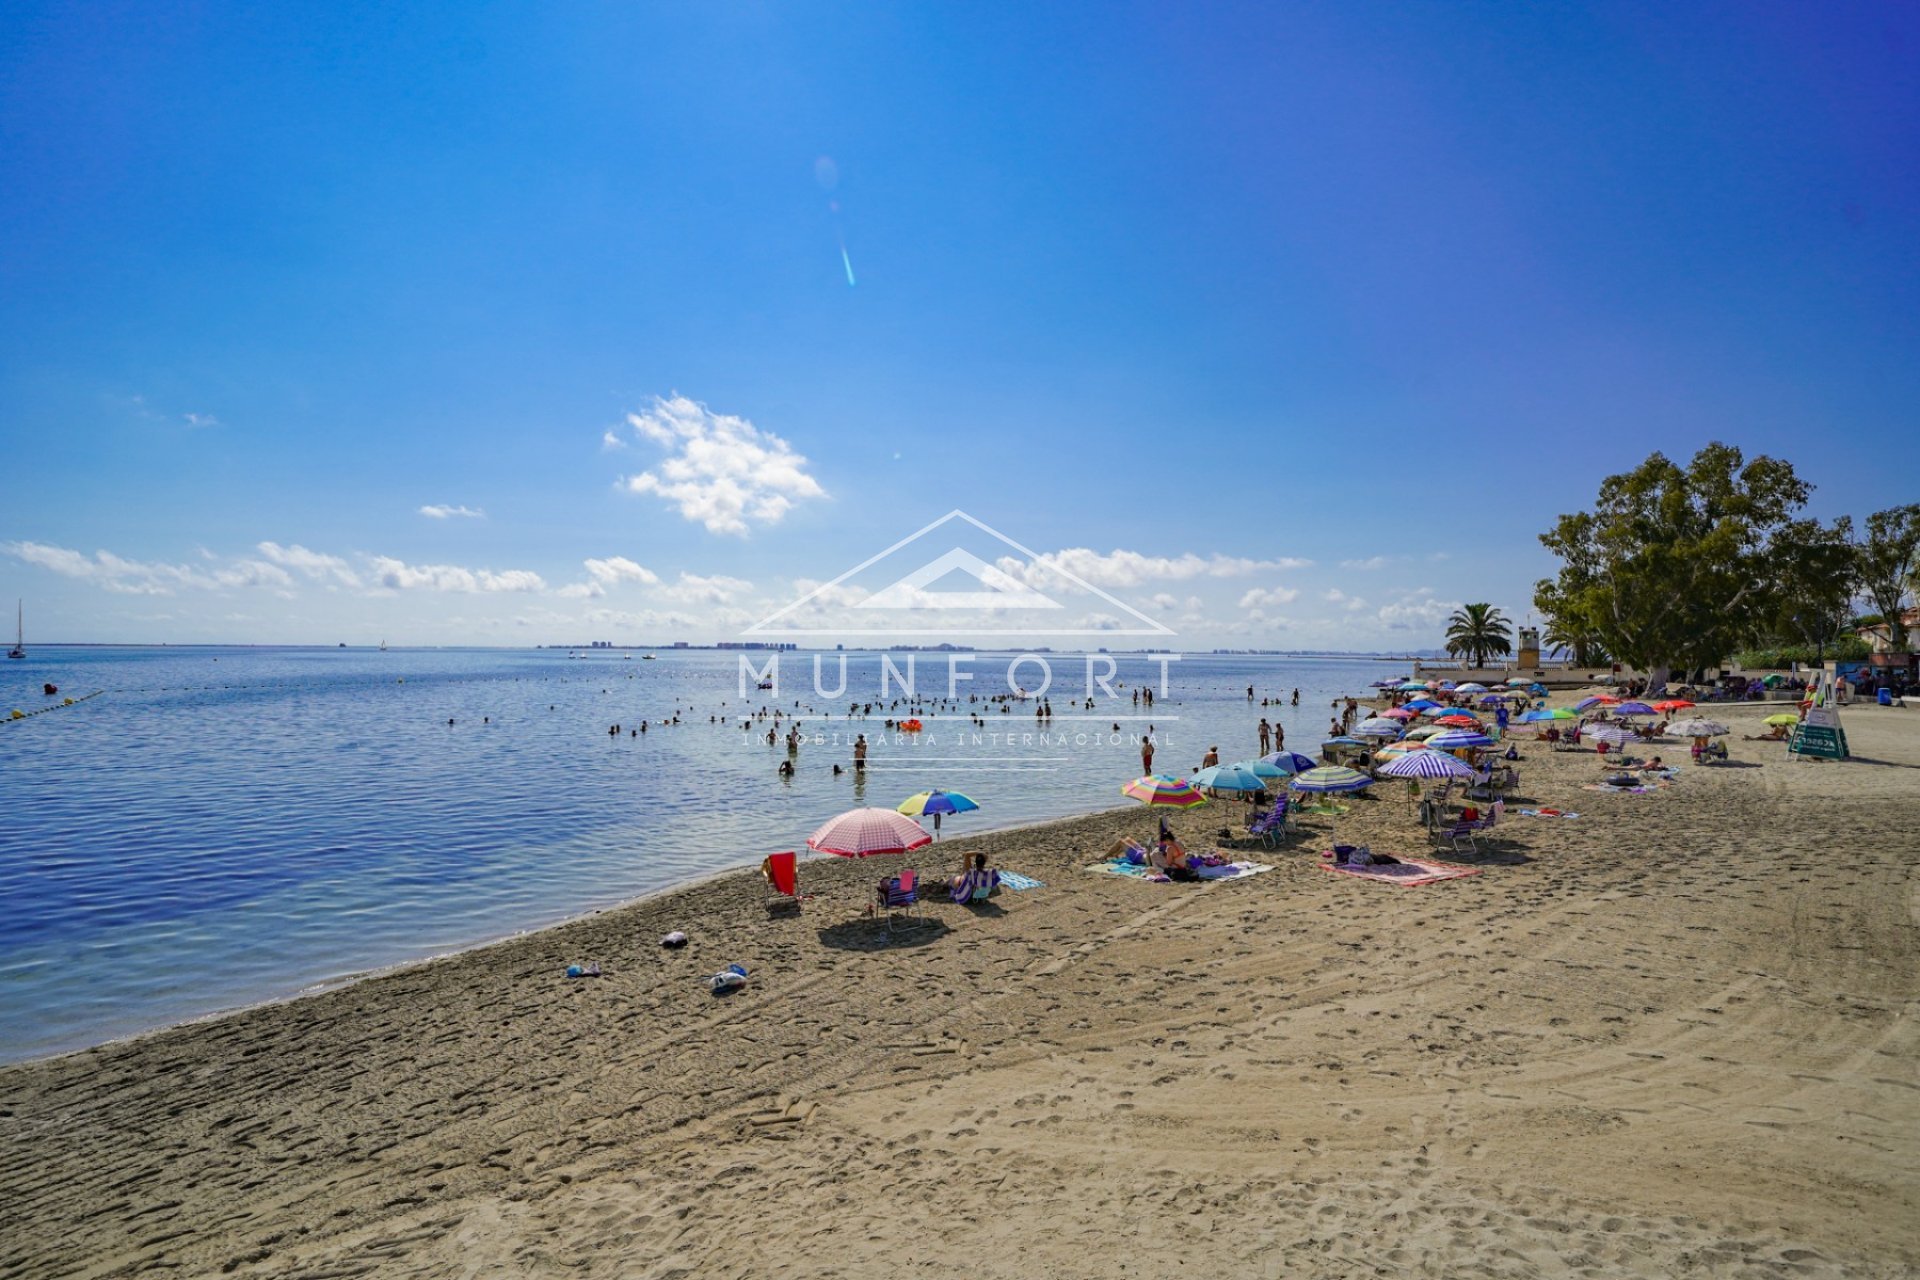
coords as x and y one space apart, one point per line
860 754
1266 737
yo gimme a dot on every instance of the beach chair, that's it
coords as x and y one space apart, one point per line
1492 816
899 898
1453 834
1271 826
783 880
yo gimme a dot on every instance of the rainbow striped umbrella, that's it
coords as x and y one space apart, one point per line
1550 713
862 833
1159 789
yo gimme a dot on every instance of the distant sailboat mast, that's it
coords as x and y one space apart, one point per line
19 649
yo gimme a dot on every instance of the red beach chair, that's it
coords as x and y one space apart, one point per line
783 880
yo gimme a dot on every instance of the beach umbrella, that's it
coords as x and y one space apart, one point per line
1537 687
1493 700
1400 749
1785 717
1471 686
1229 777
862 833
1517 680
1411 686
1448 685
1289 762
1378 727
1426 731
1434 713
1159 789
1455 739
1616 734
1546 714
936 803
1399 713
1420 704
1261 769
1588 704
1633 709
1330 779
1672 704
1698 728
1458 720
1426 764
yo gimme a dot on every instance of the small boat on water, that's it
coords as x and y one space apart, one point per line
646 657
19 649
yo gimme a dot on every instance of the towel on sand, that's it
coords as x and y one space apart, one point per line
1545 813
1017 882
1407 871
1232 871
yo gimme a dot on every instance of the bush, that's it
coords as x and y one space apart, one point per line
1845 649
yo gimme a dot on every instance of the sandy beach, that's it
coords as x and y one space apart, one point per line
1673 1036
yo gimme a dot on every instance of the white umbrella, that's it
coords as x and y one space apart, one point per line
1698 728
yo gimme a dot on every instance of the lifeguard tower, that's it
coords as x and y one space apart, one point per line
1527 654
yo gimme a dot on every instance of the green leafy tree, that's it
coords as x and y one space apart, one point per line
1888 561
1672 565
1813 575
1478 632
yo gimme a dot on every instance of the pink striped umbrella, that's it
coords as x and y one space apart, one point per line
862 833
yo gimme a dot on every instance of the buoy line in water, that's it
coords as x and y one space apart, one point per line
63 704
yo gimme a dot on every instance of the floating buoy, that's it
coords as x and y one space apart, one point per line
18 714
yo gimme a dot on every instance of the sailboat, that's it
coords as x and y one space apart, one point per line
383 646
19 649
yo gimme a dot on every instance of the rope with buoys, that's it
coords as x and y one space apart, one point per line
17 714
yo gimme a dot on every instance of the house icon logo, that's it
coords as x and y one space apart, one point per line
956 577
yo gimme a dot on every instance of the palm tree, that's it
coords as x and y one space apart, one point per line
1479 631
1581 644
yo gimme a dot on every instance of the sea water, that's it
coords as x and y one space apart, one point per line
225 826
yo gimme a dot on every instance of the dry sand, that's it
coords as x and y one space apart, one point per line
1673 1037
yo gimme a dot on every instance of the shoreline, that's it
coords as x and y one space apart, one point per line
341 982
1678 1032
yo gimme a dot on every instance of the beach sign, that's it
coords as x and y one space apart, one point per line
1819 735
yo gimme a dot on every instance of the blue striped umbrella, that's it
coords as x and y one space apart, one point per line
1378 727
1426 764
1454 739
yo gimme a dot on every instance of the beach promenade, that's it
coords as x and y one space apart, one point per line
1673 1036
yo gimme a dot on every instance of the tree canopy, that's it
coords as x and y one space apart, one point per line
1888 561
1682 565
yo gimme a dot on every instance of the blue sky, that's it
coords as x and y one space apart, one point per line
1188 297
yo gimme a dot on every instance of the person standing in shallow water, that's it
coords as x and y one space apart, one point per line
1266 737
860 754
1146 753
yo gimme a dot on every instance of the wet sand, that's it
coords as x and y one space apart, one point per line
1673 1036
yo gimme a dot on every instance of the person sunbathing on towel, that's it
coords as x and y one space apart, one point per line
1168 856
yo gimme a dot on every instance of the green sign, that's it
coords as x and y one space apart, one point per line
1824 741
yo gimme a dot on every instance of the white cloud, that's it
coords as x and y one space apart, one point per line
442 511
1371 562
721 471
314 564
200 419
695 589
1353 604
1131 568
610 572
396 575
110 572
1263 597
1420 611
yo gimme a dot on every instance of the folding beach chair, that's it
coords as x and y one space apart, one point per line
1456 833
1271 826
783 880
899 897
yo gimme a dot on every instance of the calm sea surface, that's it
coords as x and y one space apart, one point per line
221 826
